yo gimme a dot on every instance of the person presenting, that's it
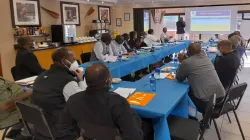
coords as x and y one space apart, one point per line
53 88
201 75
100 109
180 28
226 65
117 46
151 40
27 64
102 48
164 36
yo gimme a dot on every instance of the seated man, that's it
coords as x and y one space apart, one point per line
151 40
10 93
227 64
201 75
53 87
164 35
237 48
98 109
117 46
126 43
102 48
27 64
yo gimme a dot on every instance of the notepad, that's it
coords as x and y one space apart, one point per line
110 58
27 81
124 92
141 98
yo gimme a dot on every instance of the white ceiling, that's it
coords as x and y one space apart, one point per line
142 2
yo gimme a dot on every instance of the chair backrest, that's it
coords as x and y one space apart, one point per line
209 110
14 73
95 132
236 92
34 115
85 57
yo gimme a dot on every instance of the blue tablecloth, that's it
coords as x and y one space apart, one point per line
135 63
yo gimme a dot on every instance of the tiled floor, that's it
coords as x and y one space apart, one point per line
231 131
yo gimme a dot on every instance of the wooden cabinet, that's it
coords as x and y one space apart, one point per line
45 56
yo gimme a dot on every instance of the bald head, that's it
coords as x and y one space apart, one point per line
25 42
194 48
63 56
164 29
119 39
98 76
106 38
225 46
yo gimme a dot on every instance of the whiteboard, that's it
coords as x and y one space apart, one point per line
244 29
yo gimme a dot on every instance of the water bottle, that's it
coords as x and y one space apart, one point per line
152 83
157 73
175 59
174 41
120 56
135 52
207 51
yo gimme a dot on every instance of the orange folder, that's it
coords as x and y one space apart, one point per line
140 98
128 54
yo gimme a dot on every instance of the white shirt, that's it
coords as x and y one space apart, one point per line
72 88
164 36
116 48
150 40
98 49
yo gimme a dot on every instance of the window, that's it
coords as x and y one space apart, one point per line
239 20
170 21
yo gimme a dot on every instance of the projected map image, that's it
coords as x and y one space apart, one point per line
217 20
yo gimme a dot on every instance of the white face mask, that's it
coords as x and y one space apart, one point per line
73 66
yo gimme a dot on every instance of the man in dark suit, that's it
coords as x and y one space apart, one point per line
27 64
180 28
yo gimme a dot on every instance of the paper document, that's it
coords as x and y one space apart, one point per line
110 58
163 75
124 92
27 81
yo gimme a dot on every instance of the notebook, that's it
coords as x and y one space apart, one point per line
141 98
124 92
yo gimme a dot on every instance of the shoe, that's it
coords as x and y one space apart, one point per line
13 133
20 137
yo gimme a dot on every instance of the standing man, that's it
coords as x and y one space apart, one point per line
53 88
102 48
27 64
164 36
180 28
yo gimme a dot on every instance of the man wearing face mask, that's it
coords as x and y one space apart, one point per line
27 64
100 110
102 48
201 75
53 87
117 45
226 65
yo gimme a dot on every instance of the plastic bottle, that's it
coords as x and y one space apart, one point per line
175 59
152 83
157 73
174 41
135 53
120 56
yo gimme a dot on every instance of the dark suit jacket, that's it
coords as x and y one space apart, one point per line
180 27
27 64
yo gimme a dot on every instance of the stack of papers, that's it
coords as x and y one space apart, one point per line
110 58
27 81
125 92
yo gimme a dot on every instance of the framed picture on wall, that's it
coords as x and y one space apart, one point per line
25 13
118 22
104 13
70 13
126 16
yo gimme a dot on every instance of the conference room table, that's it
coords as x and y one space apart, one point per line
171 95
119 69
